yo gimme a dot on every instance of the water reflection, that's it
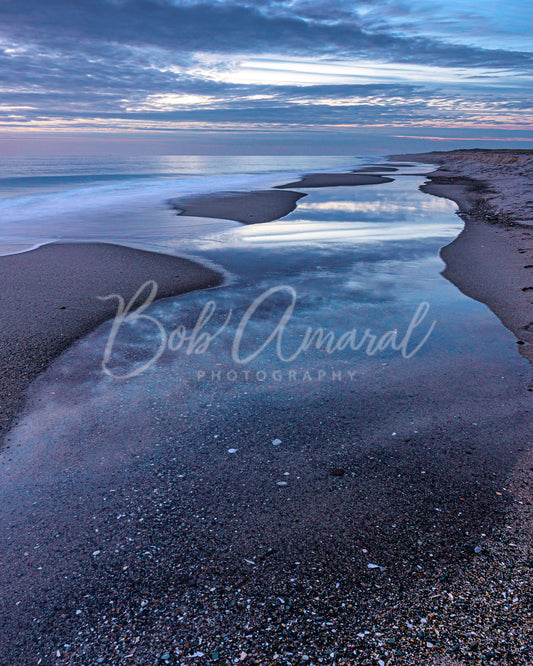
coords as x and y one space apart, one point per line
370 270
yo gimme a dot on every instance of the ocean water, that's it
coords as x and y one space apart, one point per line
124 200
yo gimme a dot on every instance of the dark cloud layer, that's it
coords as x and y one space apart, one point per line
228 27
172 61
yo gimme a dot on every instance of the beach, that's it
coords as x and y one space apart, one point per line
266 333
381 520
50 298
248 208
492 259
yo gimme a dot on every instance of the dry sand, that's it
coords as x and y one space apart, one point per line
507 174
49 298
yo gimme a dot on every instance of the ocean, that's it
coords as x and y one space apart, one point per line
124 200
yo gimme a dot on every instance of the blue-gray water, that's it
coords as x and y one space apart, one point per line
351 258
124 200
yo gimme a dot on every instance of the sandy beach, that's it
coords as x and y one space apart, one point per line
266 349
492 259
384 525
244 207
50 298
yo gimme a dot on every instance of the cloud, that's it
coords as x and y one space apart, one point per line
132 64
227 27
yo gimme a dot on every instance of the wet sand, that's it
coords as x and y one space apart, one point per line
49 298
485 607
376 169
245 207
178 547
337 180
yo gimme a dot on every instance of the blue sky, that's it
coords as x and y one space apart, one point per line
174 74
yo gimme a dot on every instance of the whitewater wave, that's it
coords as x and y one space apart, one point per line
127 211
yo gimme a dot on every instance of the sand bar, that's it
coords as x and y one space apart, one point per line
337 180
246 207
49 299
375 169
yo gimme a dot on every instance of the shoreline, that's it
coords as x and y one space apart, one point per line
50 300
500 276
490 261
46 318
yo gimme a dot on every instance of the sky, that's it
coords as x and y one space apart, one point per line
250 76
